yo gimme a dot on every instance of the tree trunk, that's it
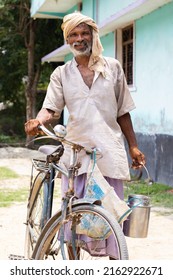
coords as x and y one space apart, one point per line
33 76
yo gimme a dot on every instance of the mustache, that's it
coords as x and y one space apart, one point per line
82 43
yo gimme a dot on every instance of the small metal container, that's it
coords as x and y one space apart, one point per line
137 222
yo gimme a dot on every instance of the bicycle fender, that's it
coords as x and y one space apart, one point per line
86 201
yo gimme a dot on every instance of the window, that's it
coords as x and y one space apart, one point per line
125 50
127 53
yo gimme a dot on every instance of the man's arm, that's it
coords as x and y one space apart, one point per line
31 126
126 125
44 115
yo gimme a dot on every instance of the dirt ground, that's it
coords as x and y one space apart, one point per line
157 246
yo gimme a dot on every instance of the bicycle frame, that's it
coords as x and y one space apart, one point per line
49 189
70 203
50 167
75 148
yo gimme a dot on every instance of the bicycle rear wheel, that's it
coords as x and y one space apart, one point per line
35 212
86 248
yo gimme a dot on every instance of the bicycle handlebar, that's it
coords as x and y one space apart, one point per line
59 135
47 132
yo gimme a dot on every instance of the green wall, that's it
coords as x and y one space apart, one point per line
106 8
88 8
108 43
154 69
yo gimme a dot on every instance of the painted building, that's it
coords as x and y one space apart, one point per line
139 33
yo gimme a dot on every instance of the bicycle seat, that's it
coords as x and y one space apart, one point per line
49 149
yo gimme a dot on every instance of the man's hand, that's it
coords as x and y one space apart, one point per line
138 158
31 127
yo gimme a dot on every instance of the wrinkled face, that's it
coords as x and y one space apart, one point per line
80 40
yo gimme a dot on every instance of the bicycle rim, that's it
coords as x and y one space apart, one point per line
86 248
35 221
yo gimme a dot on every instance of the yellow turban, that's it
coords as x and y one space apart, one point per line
70 21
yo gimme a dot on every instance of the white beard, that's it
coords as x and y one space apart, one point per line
86 52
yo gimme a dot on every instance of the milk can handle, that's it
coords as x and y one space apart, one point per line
149 181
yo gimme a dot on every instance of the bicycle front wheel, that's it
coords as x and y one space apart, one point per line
35 212
52 244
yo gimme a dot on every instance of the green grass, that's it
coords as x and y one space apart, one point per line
7 173
160 195
9 196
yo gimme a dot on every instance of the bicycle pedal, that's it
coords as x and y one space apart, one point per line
16 257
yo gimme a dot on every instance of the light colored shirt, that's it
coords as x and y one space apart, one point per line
93 114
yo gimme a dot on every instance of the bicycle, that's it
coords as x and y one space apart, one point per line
46 234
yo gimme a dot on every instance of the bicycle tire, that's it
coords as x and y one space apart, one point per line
35 222
48 245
